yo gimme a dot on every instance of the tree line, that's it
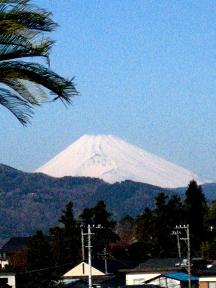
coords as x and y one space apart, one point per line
149 235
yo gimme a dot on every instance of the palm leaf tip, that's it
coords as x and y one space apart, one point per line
68 91
20 108
35 20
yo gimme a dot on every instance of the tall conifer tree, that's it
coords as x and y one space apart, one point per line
66 239
195 209
40 270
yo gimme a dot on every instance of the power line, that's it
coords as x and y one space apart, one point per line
45 269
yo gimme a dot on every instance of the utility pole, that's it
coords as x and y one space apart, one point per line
177 233
89 246
186 228
105 259
89 255
82 243
189 257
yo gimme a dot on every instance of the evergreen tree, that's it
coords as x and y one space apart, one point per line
166 217
211 233
145 235
154 227
66 239
195 210
40 270
104 236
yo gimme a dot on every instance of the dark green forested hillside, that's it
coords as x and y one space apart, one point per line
31 201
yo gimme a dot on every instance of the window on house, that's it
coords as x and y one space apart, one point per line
212 285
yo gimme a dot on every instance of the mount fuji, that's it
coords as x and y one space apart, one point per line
114 160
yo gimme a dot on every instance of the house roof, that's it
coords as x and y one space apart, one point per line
113 265
14 244
180 276
82 270
209 270
102 279
98 268
160 263
17 243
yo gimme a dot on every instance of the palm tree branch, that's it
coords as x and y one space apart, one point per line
64 89
8 52
38 20
17 106
28 16
24 89
11 28
16 2
16 40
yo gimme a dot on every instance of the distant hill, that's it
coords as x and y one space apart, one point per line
31 201
209 190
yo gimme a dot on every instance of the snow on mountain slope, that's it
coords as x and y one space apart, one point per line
112 159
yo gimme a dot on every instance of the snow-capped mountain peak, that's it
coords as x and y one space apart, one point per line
114 160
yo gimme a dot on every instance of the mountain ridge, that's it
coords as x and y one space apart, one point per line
112 159
32 201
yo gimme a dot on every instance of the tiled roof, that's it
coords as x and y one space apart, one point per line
164 263
113 265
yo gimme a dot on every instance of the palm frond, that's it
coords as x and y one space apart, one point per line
29 91
39 20
13 39
9 52
64 89
14 2
12 27
29 16
18 107
22 29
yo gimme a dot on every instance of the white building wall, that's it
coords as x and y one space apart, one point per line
207 279
11 279
139 278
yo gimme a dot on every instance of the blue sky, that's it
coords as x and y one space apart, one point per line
146 72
